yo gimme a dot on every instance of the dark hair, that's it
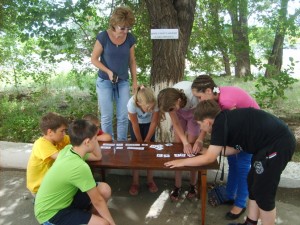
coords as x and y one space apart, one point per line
167 98
52 121
91 117
81 129
202 82
206 109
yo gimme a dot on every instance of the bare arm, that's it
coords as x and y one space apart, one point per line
198 145
210 156
100 205
132 66
95 155
180 132
54 156
153 125
104 137
135 125
97 51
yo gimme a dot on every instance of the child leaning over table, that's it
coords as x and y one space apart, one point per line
101 136
69 190
143 119
180 103
45 149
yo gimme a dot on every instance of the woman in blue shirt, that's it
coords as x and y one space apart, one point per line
113 54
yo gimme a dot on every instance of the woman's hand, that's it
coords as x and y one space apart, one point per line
110 75
175 163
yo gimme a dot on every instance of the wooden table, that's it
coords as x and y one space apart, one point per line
118 156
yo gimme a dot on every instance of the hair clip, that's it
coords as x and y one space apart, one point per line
216 90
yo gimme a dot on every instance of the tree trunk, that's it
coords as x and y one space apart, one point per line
275 59
168 56
214 7
238 10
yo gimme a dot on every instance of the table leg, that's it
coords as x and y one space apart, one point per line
202 187
103 175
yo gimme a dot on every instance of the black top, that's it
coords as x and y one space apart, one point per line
250 130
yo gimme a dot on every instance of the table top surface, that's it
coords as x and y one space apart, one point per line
120 155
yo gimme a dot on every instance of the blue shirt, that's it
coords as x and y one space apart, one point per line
115 57
143 117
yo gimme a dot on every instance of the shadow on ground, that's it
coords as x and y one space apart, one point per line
153 209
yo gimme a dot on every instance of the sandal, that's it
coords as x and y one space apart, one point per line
152 187
134 189
175 194
192 192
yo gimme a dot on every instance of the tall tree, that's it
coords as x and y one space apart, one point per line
275 58
238 11
168 56
214 8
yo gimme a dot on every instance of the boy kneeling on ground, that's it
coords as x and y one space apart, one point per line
68 189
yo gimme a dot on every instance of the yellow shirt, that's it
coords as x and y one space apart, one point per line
40 161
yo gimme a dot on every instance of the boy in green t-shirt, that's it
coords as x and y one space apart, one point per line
46 149
68 188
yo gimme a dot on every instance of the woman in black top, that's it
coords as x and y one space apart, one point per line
256 132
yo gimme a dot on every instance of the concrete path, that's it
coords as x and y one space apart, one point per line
152 209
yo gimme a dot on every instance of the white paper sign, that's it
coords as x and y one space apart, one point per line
164 34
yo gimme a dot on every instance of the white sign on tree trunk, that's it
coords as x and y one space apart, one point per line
164 34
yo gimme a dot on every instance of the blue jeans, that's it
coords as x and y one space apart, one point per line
109 93
237 188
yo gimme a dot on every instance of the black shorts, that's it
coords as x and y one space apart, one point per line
266 168
77 213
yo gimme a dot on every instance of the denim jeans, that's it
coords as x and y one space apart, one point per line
109 93
237 187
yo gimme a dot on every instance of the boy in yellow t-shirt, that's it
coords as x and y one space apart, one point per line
46 148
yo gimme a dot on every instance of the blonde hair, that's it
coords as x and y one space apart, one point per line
121 16
144 96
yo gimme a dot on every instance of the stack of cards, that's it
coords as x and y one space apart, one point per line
163 155
157 147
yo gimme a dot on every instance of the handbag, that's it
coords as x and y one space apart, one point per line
217 193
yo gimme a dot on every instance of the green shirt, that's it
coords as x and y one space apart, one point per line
68 174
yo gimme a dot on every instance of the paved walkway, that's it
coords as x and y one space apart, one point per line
152 209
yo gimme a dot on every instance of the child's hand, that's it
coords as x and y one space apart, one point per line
198 145
187 148
175 163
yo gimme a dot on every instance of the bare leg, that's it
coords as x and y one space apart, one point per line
150 182
268 217
134 188
253 212
97 220
135 177
105 190
178 174
149 176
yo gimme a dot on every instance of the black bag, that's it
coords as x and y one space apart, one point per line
217 193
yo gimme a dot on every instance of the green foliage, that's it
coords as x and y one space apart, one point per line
20 112
271 89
